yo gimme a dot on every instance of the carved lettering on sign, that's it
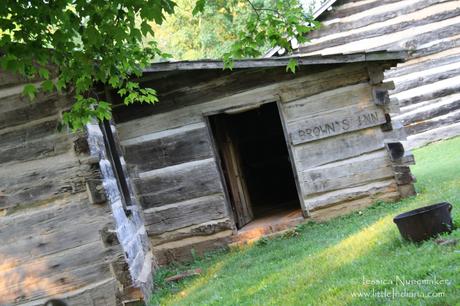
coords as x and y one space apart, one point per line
334 124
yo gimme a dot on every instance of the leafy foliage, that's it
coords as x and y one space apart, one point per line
98 43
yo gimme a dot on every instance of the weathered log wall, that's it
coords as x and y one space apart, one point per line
56 230
335 118
427 85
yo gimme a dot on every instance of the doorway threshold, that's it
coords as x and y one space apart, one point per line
272 223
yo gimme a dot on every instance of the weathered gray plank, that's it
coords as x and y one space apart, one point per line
348 173
55 215
351 8
384 13
337 122
52 145
178 183
419 127
450 10
313 83
22 187
428 92
421 65
373 190
359 94
182 250
29 133
204 229
191 212
51 240
41 284
421 80
444 132
19 110
189 88
430 111
189 145
343 146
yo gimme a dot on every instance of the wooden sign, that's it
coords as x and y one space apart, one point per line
335 123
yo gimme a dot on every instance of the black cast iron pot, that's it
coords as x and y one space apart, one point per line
425 222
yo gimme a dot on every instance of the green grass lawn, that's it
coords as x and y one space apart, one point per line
333 263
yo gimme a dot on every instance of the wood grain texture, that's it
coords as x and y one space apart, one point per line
184 253
359 94
178 183
336 148
27 184
336 122
183 214
327 78
186 146
348 173
371 191
203 229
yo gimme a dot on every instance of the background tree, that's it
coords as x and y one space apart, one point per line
106 42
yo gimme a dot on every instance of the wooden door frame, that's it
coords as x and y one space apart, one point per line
305 211
218 158
218 161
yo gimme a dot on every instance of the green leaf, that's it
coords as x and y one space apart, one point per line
30 91
292 65
47 86
146 28
199 7
43 72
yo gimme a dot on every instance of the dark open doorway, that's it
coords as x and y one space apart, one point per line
255 163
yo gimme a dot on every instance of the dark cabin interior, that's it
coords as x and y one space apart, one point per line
255 162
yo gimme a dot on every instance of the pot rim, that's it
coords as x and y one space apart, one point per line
420 211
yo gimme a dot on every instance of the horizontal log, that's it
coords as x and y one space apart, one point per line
75 234
446 38
432 110
47 219
42 184
429 92
35 281
178 183
416 20
367 15
356 7
412 37
444 120
38 130
373 190
432 135
186 146
359 94
204 229
421 65
336 122
185 251
19 110
183 214
189 88
286 91
419 79
347 207
336 148
52 145
348 173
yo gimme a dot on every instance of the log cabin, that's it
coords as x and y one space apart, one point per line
226 156
230 155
